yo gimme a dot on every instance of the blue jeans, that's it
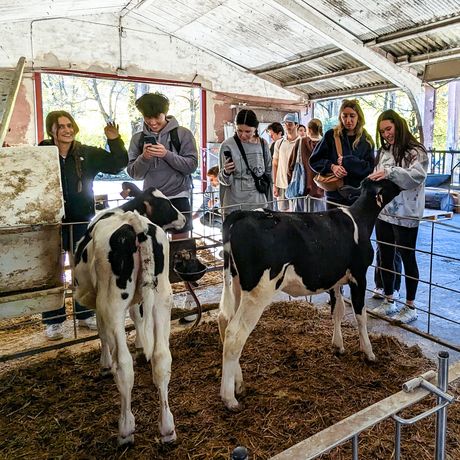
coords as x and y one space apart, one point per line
58 316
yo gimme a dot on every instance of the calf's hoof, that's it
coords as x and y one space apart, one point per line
106 372
370 358
338 351
126 440
140 358
169 438
234 406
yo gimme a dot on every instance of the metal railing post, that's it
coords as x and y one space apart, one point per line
355 447
441 415
397 440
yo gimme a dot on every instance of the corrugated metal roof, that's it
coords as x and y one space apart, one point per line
264 39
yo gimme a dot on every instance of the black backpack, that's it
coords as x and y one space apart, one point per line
174 140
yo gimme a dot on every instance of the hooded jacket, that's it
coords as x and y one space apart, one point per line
170 174
78 191
411 178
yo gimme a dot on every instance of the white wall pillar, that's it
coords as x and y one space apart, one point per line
428 115
453 112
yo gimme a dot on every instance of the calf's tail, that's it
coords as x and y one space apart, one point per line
146 281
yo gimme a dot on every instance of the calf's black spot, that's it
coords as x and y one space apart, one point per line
82 247
124 295
122 248
158 254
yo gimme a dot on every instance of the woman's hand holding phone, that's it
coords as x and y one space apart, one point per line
229 165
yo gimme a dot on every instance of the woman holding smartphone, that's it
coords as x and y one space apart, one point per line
243 158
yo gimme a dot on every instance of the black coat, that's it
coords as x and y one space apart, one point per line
358 161
78 194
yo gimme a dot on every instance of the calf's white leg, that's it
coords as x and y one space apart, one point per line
239 328
337 316
161 363
358 290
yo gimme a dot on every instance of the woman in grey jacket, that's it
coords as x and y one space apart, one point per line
237 185
403 160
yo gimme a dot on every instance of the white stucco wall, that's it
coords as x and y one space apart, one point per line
91 43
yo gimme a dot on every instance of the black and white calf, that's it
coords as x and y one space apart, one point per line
120 263
300 254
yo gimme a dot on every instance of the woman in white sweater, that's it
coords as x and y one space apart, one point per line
403 160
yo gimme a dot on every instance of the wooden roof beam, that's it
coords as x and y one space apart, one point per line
342 38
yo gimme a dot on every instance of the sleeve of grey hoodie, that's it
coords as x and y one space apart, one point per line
412 176
186 161
138 166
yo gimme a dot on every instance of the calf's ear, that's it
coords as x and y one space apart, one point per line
348 192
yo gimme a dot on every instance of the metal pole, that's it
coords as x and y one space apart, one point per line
441 415
397 441
355 446
431 279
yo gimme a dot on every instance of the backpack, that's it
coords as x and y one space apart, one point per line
174 140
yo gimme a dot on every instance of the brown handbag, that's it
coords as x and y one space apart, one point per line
330 182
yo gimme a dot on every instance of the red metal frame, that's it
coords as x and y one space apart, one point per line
204 141
38 107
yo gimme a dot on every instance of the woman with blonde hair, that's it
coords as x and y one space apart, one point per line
357 157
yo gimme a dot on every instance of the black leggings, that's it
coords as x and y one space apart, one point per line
401 236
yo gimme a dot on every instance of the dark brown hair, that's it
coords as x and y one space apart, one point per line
249 118
404 139
152 104
315 126
214 171
52 119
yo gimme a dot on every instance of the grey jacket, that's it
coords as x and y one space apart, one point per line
238 190
411 178
170 174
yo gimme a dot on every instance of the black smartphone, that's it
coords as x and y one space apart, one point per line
228 155
150 140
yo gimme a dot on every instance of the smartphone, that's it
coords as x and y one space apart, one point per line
150 140
228 155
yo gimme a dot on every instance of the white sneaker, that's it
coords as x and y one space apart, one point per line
90 323
387 307
396 295
54 332
406 315
378 293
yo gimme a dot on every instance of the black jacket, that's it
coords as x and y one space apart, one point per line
358 161
78 194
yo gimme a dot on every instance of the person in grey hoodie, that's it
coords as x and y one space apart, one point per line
403 160
164 155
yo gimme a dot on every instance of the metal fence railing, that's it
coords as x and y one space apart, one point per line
413 391
445 162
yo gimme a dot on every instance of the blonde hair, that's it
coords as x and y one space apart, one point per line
359 130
